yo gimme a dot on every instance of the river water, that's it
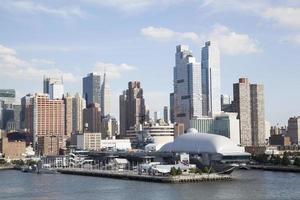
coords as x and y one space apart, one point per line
247 185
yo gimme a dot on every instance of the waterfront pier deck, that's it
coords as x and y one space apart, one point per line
275 168
130 175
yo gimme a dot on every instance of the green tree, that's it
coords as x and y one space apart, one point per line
198 171
297 162
173 171
205 170
178 171
285 160
193 170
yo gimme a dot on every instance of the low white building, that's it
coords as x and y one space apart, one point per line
88 141
117 144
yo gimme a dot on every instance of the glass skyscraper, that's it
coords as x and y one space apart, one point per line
91 88
211 85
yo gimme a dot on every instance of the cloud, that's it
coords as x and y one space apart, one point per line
15 68
286 16
135 6
161 33
114 71
233 43
230 42
32 7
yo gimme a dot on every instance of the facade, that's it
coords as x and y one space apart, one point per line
27 113
225 124
91 88
89 141
117 144
48 118
12 149
279 140
166 114
77 113
49 80
109 127
56 90
92 118
8 96
105 97
49 145
187 86
294 130
132 107
160 133
249 104
68 101
211 83
172 114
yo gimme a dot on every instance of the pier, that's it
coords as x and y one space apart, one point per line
130 175
275 168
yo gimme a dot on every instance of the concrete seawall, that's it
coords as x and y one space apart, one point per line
134 176
275 168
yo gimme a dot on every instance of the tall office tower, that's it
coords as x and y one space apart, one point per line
172 116
132 107
48 118
77 112
166 114
56 91
109 127
147 115
68 101
122 114
187 86
27 113
91 88
249 104
156 116
8 96
54 86
294 130
92 118
105 97
210 73
1 113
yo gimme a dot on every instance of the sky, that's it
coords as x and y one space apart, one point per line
136 40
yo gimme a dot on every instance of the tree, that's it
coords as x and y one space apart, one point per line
285 160
173 171
297 162
205 170
179 171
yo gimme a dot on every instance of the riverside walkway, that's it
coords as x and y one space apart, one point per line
130 175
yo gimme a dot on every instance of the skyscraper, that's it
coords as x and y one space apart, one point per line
294 130
91 88
105 97
132 107
249 104
48 118
8 96
92 118
166 114
210 70
53 85
68 101
187 86
172 114
78 106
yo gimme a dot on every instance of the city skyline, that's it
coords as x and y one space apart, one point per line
33 51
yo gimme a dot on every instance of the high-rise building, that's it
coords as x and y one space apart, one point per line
294 130
187 86
77 112
92 118
8 96
27 113
210 71
156 116
105 97
132 107
249 104
68 101
48 118
172 115
54 86
91 88
166 114
109 127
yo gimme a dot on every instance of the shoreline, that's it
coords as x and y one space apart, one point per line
147 178
275 168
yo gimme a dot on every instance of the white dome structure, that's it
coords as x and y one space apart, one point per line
199 143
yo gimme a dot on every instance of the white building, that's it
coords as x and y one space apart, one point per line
225 124
161 134
77 113
187 86
105 97
88 141
117 144
210 69
56 91
109 127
